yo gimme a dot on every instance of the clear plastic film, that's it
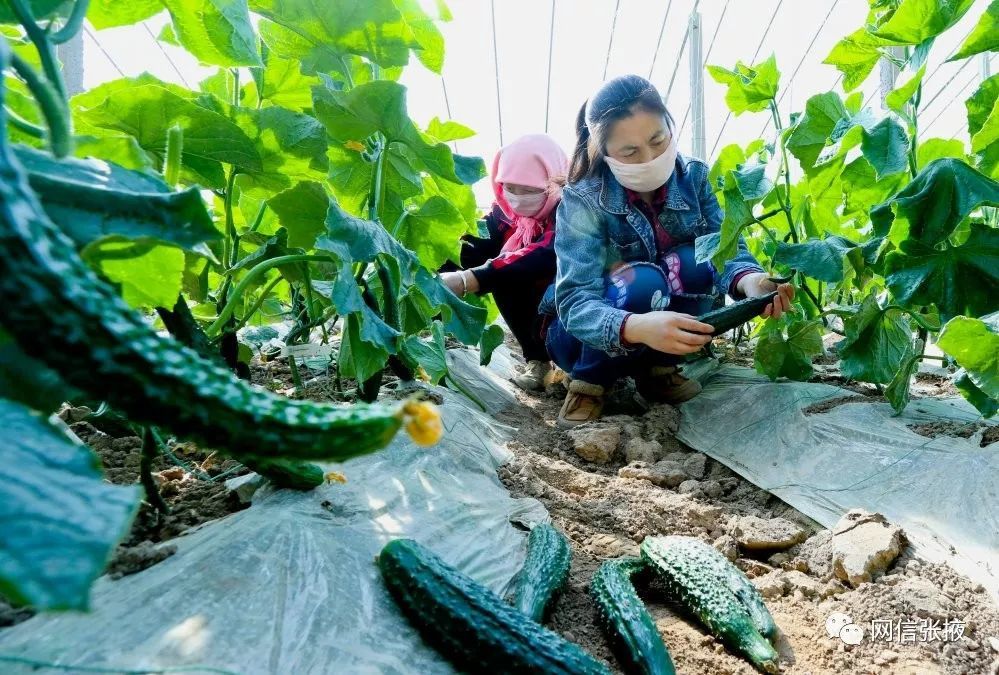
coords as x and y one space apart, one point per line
942 491
290 584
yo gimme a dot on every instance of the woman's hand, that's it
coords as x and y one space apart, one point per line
460 282
668 332
758 283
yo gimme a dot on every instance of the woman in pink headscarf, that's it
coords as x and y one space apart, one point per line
517 262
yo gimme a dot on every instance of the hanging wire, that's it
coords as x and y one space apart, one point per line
811 45
948 83
610 44
164 52
756 55
707 56
499 107
93 37
551 46
956 98
447 106
659 43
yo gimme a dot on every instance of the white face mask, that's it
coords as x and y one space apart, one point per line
525 205
647 176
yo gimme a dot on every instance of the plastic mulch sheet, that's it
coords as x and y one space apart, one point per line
290 585
943 491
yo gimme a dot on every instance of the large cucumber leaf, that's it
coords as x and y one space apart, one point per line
983 125
828 259
743 190
974 345
216 32
931 207
916 21
93 199
61 520
301 210
855 56
877 341
111 13
433 232
148 274
957 279
984 37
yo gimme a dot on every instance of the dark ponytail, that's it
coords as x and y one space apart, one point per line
615 100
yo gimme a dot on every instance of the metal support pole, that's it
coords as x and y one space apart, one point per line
700 136
71 55
889 74
985 61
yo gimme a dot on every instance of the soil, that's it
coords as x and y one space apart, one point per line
989 432
607 516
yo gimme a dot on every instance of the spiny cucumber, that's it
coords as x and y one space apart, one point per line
470 625
732 316
544 574
633 633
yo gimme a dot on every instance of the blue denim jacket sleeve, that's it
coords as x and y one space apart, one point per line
744 261
581 251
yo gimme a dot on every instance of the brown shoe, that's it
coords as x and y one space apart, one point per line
583 404
533 377
665 384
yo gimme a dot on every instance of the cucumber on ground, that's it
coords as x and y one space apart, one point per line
684 563
60 312
544 574
732 316
468 624
632 631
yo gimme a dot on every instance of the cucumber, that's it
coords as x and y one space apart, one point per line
687 565
633 633
468 624
59 312
287 473
736 314
544 574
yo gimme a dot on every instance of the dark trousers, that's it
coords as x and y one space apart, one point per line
517 299
594 366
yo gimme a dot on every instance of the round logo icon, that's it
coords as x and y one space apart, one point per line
836 622
852 634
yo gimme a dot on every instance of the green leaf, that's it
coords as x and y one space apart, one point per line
301 210
938 148
916 21
111 13
424 33
358 358
91 200
470 170
957 279
731 158
877 342
433 232
984 37
448 131
743 190
900 97
285 85
121 150
788 356
974 345
855 56
983 117
492 337
216 32
931 207
985 404
374 29
862 188
825 259
149 275
429 354
380 106
147 111
61 520
897 391
750 88
823 115
886 147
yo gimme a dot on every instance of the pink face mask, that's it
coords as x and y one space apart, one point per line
525 205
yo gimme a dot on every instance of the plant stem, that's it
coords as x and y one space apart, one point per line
51 104
250 277
149 452
785 170
258 303
230 223
24 125
73 23
259 218
375 199
43 43
174 153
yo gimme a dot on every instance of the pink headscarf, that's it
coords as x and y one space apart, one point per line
535 160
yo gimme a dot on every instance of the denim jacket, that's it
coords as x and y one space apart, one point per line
596 229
